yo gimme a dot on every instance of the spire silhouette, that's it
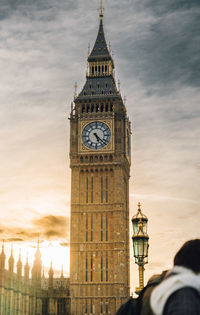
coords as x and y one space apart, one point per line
11 261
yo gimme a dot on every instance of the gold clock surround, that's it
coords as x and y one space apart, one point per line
108 148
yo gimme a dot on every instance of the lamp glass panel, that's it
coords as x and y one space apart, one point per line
135 226
141 247
145 248
135 247
144 226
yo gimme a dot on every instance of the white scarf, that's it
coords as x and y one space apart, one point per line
183 278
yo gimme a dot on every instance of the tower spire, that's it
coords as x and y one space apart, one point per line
101 9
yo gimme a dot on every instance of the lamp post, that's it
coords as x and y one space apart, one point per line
140 244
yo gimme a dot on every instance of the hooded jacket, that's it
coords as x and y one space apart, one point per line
178 294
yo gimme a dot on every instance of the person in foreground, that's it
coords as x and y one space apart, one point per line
179 292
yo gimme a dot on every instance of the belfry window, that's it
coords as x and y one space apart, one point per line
111 107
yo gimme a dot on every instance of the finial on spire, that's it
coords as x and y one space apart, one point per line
139 206
101 9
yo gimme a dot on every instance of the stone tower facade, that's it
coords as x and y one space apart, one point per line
100 157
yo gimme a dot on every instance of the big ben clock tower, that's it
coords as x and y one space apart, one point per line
100 158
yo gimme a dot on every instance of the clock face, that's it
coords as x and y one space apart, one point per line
96 135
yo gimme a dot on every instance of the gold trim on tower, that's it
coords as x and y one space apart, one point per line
108 148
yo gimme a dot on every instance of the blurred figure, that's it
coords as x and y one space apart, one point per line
179 292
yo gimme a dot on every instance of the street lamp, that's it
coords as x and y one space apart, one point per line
140 244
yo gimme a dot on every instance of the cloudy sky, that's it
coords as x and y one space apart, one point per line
43 51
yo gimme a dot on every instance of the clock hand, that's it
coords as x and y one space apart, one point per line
99 139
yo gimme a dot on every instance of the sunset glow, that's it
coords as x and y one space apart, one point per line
52 252
43 53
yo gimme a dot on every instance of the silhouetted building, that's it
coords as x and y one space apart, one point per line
22 295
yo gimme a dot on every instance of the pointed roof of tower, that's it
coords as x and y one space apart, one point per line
51 272
100 49
27 264
37 253
11 258
100 84
3 255
19 262
37 264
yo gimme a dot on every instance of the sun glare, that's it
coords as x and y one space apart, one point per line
50 252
